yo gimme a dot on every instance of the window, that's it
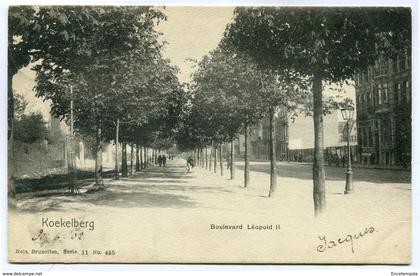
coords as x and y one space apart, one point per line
374 99
379 94
376 69
384 66
398 92
370 137
394 65
409 60
401 59
407 92
370 97
385 129
385 92
365 140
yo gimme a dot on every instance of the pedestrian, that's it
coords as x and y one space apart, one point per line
337 160
160 160
164 160
190 164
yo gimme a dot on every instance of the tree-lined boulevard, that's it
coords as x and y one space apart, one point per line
103 70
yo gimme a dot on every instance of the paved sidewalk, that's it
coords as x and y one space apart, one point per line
163 207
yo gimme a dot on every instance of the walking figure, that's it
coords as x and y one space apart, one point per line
190 164
343 160
164 160
160 160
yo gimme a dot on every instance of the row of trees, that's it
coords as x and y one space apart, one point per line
230 93
271 57
105 65
102 70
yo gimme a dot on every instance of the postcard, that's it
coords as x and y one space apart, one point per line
217 135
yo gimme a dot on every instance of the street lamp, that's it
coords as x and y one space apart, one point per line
347 114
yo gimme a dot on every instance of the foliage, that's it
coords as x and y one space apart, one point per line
331 42
19 105
230 91
30 128
20 20
127 80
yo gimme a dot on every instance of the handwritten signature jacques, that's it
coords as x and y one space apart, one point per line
348 239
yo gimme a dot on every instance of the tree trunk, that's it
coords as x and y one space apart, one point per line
141 159
211 157
215 158
200 157
151 162
124 169
146 156
131 159
11 192
246 157
137 158
207 158
232 159
98 158
272 154
156 156
221 158
71 165
318 170
117 165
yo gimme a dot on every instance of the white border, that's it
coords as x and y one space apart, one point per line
108 269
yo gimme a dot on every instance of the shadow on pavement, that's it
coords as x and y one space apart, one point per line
158 187
304 171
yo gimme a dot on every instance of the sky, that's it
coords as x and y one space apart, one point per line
191 32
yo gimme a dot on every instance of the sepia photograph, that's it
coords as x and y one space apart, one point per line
209 134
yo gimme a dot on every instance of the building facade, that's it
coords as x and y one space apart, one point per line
383 98
301 139
259 138
294 139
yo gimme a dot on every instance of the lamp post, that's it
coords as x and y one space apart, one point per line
347 114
